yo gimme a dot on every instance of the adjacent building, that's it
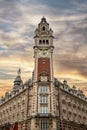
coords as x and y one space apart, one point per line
43 102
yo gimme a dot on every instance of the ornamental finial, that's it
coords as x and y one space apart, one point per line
19 71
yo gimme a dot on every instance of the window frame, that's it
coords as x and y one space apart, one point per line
43 125
44 109
43 99
43 89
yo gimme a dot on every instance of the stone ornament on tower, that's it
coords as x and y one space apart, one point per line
19 71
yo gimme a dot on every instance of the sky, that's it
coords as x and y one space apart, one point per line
18 21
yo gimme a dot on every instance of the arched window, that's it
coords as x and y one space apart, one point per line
43 41
47 42
40 41
43 28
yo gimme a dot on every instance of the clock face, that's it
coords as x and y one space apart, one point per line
43 53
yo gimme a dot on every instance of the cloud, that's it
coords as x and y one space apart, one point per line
4 76
75 64
71 46
19 19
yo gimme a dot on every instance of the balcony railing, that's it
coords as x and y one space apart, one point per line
43 114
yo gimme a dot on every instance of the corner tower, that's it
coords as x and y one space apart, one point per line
43 52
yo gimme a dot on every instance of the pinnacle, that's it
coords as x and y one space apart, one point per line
43 19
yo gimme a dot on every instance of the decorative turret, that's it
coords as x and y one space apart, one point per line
18 83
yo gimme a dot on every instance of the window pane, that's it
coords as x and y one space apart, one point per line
43 125
43 89
43 109
44 99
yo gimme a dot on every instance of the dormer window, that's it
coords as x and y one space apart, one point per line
43 28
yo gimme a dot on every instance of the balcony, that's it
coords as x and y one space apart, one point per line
43 115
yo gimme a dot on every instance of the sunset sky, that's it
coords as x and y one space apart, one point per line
18 21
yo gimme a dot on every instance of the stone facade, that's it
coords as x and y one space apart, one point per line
43 102
71 106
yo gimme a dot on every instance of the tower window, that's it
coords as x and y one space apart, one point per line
47 42
44 109
43 99
43 41
43 89
40 41
43 125
43 28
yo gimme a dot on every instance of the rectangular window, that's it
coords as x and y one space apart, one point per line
44 99
43 89
44 109
43 125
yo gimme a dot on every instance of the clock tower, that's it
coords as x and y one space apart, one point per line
43 105
43 52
